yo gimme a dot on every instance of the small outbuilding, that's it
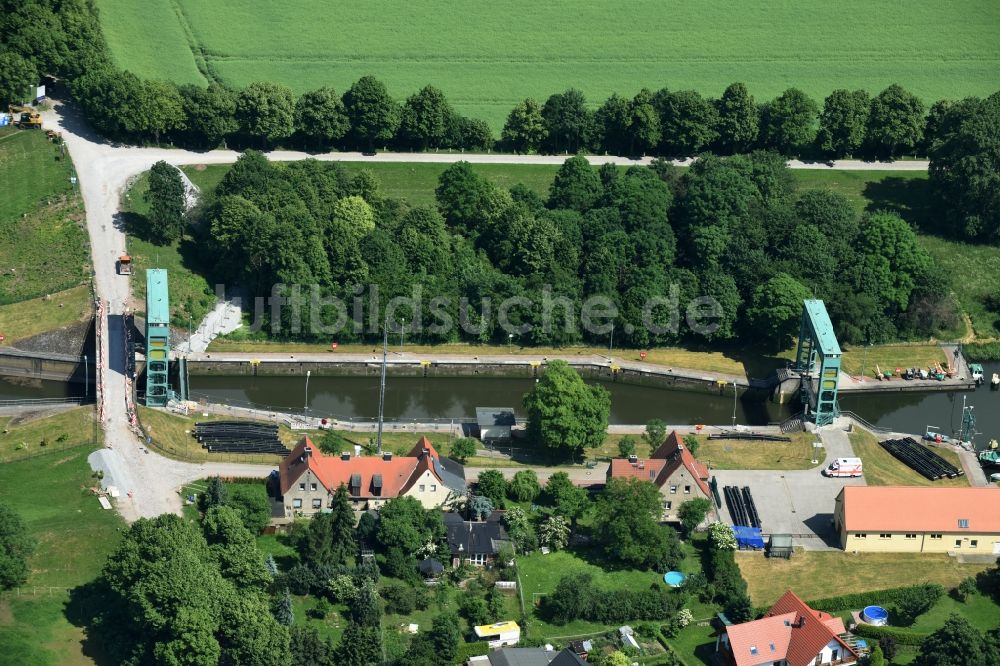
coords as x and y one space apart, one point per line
431 568
780 545
495 422
748 538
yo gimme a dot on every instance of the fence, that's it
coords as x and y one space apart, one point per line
44 402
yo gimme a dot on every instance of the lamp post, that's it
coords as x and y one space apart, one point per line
734 404
510 343
402 327
190 317
611 340
306 410
86 378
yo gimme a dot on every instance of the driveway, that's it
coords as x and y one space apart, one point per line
796 502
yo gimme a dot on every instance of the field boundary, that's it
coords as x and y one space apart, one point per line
195 46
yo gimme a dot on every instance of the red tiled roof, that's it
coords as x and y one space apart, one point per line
916 509
797 632
332 471
676 454
644 470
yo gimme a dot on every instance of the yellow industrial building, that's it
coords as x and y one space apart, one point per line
907 519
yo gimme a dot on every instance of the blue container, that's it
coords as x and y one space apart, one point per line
674 578
875 615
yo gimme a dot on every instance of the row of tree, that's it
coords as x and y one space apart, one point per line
732 229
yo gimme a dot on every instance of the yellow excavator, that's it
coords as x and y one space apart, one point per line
24 117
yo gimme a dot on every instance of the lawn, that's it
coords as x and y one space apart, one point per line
882 469
19 321
496 54
856 361
28 437
171 436
74 538
819 574
43 242
738 454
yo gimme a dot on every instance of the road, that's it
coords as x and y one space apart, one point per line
103 171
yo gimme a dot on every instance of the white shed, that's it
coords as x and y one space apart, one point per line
495 422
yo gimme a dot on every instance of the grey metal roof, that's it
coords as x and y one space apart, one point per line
472 537
495 416
452 473
534 657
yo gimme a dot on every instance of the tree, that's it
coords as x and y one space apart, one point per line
321 118
166 200
876 658
373 114
789 122
480 507
520 529
739 119
655 433
569 501
644 131
692 443
495 607
687 122
564 412
463 448
366 610
957 643
18 78
524 486
616 658
462 196
284 613
888 646
776 309
424 119
524 130
493 485
215 494
309 649
405 524
554 532
626 446
894 263
613 120
16 546
576 185
692 513
251 502
567 121
234 548
963 171
627 519
210 112
266 110
162 109
359 646
474 609
896 123
341 514
843 121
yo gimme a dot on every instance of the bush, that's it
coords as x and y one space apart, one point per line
901 636
576 597
884 598
965 589
912 602
888 646
320 610
721 536
251 500
474 608
299 579
400 565
403 599
477 649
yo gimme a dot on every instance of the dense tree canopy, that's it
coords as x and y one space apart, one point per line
16 546
843 122
166 200
18 78
266 110
896 122
565 412
790 122
320 116
628 524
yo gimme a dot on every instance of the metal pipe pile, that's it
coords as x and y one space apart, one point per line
742 508
921 459
240 437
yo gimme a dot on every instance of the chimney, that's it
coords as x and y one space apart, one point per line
307 453
345 455
642 464
633 458
387 455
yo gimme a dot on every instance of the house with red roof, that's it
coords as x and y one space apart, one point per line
673 469
789 634
308 478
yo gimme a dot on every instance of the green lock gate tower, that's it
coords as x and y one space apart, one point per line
817 341
157 338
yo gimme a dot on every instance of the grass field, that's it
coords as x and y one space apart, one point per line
488 56
856 361
815 575
881 469
738 454
43 243
21 438
74 537
45 313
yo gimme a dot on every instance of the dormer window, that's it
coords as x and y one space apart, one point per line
753 650
963 523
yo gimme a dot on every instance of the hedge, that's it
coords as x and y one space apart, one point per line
476 649
981 351
902 636
884 598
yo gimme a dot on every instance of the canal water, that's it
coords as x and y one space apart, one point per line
16 388
411 398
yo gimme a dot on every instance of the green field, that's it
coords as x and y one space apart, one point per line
74 537
488 56
43 243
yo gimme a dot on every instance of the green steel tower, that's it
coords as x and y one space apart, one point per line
817 340
157 338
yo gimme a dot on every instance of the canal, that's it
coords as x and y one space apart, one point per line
17 388
411 398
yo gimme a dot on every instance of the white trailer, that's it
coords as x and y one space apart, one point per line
844 467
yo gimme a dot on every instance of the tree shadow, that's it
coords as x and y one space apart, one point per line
90 607
910 198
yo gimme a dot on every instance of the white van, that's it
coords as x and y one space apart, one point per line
844 467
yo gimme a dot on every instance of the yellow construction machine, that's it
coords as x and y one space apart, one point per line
24 117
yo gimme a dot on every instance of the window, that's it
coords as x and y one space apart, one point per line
317 504
477 559
422 486
667 504
434 487
312 486
958 543
884 536
753 649
860 535
963 523
935 536
911 536
974 543
652 474
302 486
296 504
673 490
687 490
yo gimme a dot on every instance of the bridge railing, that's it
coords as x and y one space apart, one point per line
43 402
865 424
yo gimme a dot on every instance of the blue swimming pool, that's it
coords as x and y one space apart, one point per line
674 578
875 615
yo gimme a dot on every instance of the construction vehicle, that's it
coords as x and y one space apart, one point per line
124 265
24 117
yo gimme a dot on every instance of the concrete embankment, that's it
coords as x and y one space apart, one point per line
48 366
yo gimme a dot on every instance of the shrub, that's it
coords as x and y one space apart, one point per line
965 589
721 536
888 646
911 602
320 610
299 579
576 597
477 649
474 608
901 636
403 599
885 598
342 588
